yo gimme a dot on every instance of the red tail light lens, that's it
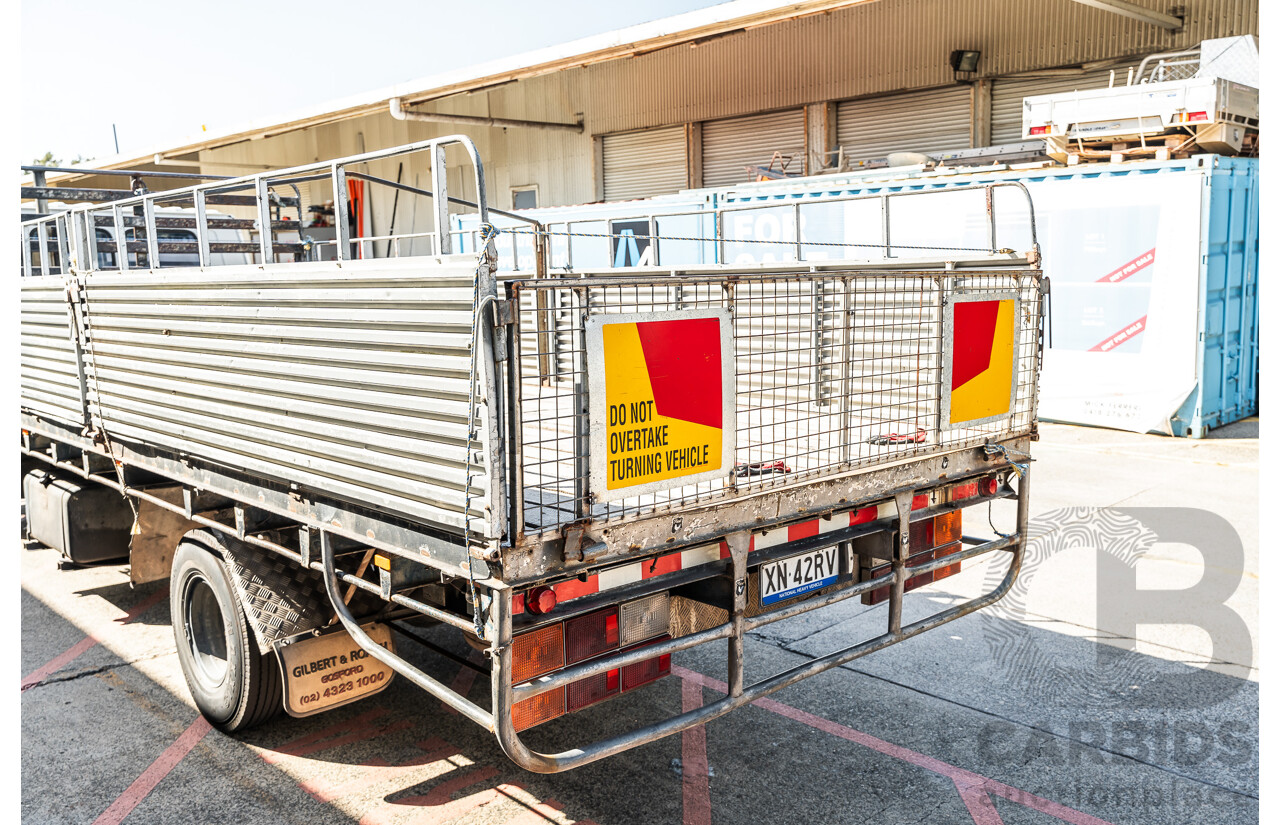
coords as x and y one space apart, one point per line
962 491
540 601
650 670
1039 130
930 539
588 636
594 689
990 485
1198 117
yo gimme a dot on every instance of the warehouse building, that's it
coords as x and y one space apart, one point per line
695 100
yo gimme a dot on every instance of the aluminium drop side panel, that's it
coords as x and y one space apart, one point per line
50 384
352 381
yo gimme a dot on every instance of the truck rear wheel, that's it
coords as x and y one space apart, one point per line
234 684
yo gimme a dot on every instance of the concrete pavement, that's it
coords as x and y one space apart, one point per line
1068 702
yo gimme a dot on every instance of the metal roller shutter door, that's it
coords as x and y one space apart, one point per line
1007 95
644 164
729 146
929 121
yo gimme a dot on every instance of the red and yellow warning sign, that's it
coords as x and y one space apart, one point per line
662 400
983 339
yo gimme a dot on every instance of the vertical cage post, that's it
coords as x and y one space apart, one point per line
153 243
266 247
582 417
795 219
846 372
90 242
440 201
991 217
122 243
25 246
42 238
342 226
202 227
63 227
884 224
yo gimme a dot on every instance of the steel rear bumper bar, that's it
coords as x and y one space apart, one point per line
505 694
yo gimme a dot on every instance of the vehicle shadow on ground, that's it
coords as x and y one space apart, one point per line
1081 702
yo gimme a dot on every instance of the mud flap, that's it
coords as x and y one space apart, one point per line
331 670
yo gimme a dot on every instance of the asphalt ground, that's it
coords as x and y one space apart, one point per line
1117 684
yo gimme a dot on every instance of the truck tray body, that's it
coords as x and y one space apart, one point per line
412 427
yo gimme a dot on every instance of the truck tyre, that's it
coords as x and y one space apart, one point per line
234 684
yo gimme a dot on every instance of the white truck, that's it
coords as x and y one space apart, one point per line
318 453
1201 100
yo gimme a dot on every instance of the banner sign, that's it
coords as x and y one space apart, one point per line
662 402
980 333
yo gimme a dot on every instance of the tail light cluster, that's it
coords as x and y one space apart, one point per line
932 539
1039 130
611 629
939 536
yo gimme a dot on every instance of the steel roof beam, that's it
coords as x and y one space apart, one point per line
400 113
1136 12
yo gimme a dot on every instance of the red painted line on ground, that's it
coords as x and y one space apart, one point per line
979 803
956 774
94 638
144 784
693 758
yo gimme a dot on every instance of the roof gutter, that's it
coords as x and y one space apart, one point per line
400 113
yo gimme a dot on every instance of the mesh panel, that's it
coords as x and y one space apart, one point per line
835 372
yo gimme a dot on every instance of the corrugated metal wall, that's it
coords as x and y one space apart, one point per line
1007 95
646 163
729 146
876 48
870 49
933 120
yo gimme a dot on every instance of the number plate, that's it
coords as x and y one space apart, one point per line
332 670
799 574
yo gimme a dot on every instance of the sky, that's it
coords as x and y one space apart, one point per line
162 71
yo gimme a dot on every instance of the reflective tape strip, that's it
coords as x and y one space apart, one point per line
708 553
700 555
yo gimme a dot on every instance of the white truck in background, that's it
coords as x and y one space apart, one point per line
1200 100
